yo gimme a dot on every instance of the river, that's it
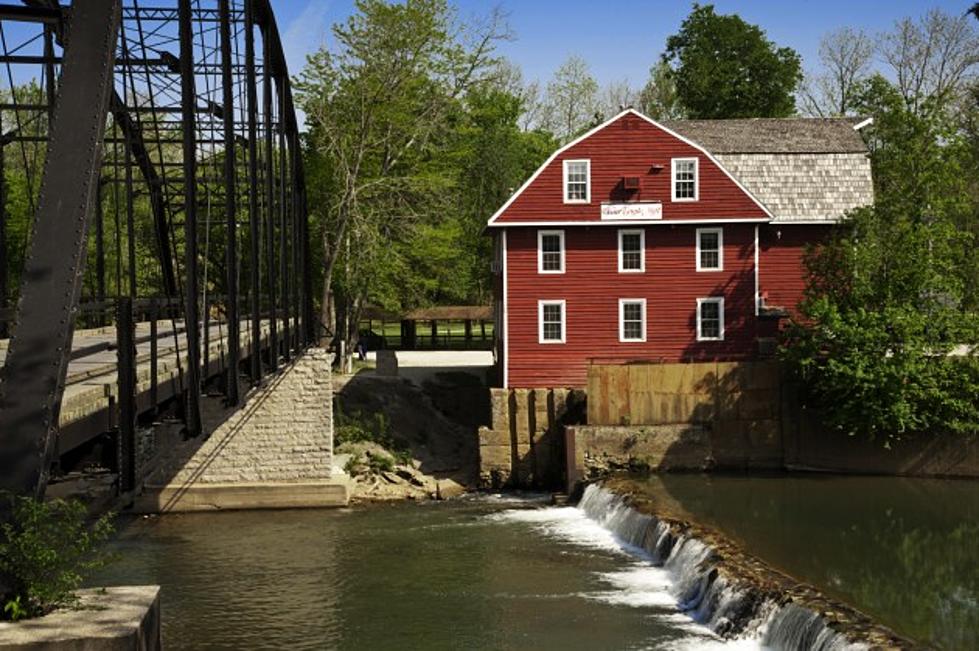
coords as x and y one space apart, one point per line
497 572
903 550
475 573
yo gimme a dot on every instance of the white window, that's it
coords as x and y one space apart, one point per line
685 179
710 249
632 319
550 252
577 181
551 322
632 251
710 319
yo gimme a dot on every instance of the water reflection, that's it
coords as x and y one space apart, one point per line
905 551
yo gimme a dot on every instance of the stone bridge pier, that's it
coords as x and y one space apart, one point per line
275 451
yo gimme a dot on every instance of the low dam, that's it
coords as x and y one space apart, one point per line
494 571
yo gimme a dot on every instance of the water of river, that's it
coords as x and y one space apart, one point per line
905 551
478 573
503 573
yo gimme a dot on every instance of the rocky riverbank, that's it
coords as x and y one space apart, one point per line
398 439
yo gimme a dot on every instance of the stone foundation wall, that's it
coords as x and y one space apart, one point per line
283 432
524 445
693 416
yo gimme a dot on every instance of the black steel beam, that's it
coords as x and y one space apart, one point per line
126 380
133 137
30 14
269 204
37 357
192 415
283 251
253 215
231 207
4 254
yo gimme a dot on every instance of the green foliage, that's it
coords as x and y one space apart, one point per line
360 428
887 344
414 143
572 99
46 550
727 68
658 98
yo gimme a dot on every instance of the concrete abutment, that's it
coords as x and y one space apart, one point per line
276 451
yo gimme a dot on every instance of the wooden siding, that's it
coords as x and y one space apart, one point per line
592 287
781 271
631 146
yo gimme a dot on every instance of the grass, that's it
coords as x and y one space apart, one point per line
392 329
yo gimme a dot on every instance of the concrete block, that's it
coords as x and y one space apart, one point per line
520 415
492 457
121 618
243 494
500 409
387 363
489 436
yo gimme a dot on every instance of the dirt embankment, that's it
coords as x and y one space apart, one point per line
398 440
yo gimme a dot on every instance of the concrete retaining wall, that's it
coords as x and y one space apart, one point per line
689 416
734 416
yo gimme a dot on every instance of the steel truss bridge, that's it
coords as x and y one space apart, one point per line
152 198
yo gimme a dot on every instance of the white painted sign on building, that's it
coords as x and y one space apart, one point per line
629 211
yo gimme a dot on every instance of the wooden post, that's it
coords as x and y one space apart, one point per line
435 333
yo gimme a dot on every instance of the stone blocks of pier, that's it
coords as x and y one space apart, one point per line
524 446
276 451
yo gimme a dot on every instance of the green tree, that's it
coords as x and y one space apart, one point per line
887 346
658 98
494 156
379 104
572 99
724 67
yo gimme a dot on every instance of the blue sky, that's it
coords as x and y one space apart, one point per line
619 39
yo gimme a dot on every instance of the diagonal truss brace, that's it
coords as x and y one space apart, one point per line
40 345
137 147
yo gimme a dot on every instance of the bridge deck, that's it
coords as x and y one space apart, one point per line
91 387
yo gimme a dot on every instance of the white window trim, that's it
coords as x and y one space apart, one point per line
642 250
564 183
540 322
622 303
696 180
720 249
540 252
720 312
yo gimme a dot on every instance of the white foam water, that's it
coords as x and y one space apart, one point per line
676 577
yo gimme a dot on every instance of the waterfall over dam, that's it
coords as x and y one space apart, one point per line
732 609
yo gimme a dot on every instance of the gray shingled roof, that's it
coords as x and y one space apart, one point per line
802 169
773 135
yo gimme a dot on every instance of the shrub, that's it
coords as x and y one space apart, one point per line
46 551
360 428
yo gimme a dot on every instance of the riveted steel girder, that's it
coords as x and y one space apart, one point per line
37 358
